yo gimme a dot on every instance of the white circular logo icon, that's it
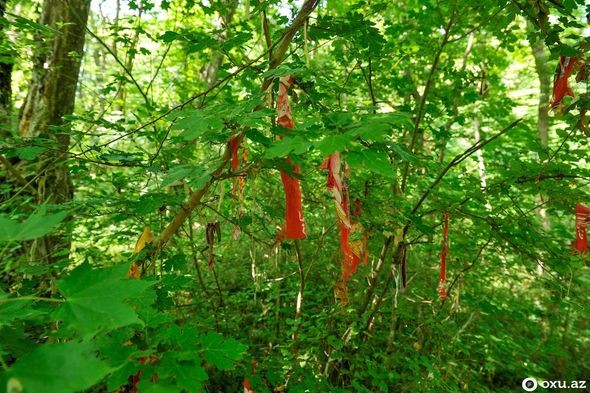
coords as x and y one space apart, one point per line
529 384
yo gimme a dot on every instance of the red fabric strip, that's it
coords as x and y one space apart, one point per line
234 146
352 251
561 86
582 219
294 222
350 260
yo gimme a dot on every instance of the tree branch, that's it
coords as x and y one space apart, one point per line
21 180
456 161
123 66
196 196
283 45
422 104
466 269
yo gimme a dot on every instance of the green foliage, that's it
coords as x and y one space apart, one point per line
219 352
36 225
60 368
95 300
380 82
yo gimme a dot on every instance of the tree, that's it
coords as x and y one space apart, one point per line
51 96
5 79
182 275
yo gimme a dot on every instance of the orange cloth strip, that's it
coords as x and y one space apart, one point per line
582 219
294 222
561 86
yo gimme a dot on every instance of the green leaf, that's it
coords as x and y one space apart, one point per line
148 203
59 368
378 127
281 70
29 153
119 156
238 40
195 123
284 147
219 352
190 376
372 160
17 310
120 376
186 374
177 173
255 119
258 137
96 299
196 174
371 131
332 143
147 386
37 225
403 153
338 119
24 24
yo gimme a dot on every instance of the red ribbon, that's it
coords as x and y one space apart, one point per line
352 251
247 388
561 86
294 222
443 257
234 146
582 219
351 260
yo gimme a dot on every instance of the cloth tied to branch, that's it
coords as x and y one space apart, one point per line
561 87
294 227
353 238
582 220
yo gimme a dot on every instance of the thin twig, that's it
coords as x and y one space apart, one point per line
422 104
21 180
195 259
466 269
233 222
486 20
369 81
456 161
375 274
123 66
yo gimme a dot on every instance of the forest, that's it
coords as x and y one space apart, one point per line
294 196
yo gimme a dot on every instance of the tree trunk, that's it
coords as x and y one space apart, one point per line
51 96
223 22
5 85
544 74
481 164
